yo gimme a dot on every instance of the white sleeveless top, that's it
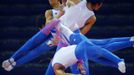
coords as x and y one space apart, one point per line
77 14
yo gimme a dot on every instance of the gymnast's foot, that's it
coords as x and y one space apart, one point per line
122 67
8 64
132 39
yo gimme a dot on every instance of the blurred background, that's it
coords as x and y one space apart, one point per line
20 19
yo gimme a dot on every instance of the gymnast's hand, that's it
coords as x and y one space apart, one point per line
8 64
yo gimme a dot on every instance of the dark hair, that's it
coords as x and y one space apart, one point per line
95 1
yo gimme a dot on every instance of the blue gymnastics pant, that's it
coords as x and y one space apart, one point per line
36 46
112 44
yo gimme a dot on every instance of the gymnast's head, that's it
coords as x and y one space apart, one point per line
94 4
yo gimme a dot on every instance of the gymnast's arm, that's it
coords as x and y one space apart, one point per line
60 70
88 25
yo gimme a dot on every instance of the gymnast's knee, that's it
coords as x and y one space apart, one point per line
75 38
